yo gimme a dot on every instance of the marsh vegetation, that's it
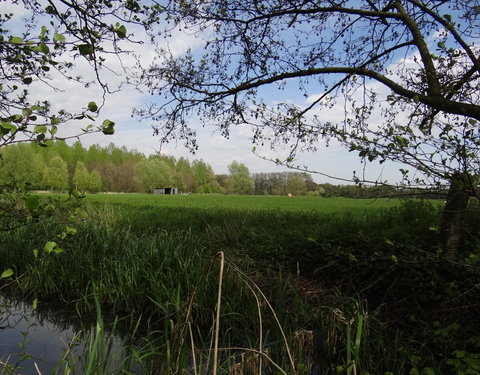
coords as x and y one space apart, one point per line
305 285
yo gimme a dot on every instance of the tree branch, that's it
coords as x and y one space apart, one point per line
436 102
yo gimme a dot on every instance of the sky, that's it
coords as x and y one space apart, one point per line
213 148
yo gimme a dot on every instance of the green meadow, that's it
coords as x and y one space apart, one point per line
246 202
245 284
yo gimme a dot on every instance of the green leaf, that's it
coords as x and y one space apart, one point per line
49 246
50 10
85 49
53 130
27 80
71 231
8 127
7 273
49 208
88 128
44 48
43 32
58 38
132 5
17 118
92 107
55 120
401 141
26 112
108 127
40 129
121 32
35 253
16 40
35 304
32 202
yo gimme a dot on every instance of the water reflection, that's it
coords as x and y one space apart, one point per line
34 341
29 340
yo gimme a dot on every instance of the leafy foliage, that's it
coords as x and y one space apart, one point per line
51 38
240 180
33 54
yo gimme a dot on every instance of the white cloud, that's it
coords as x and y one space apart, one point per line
19 12
214 149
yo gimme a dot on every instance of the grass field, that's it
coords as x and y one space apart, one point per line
341 274
246 202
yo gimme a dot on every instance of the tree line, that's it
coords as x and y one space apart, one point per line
61 167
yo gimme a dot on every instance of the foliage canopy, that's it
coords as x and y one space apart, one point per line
404 73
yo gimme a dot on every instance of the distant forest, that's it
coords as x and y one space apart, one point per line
60 167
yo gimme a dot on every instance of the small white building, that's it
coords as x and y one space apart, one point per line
165 191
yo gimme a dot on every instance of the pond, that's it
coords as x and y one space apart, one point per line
44 341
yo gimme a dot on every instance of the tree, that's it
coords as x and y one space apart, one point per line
83 180
296 185
55 174
184 177
241 181
205 179
152 173
20 167
404 73
282 183
95 183
116 177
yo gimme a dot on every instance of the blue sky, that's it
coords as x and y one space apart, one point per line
213 148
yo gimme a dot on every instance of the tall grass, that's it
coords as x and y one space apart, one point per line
301 291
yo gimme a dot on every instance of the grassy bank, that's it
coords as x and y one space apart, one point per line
361 287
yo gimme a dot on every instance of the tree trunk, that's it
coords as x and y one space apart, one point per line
451 228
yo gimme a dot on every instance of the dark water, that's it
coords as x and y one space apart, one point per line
34 341
28 338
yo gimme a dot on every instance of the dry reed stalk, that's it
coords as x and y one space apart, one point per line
248 280
217 319
304 346
250 364
260 324
188 305
194 358
237 367
260 353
